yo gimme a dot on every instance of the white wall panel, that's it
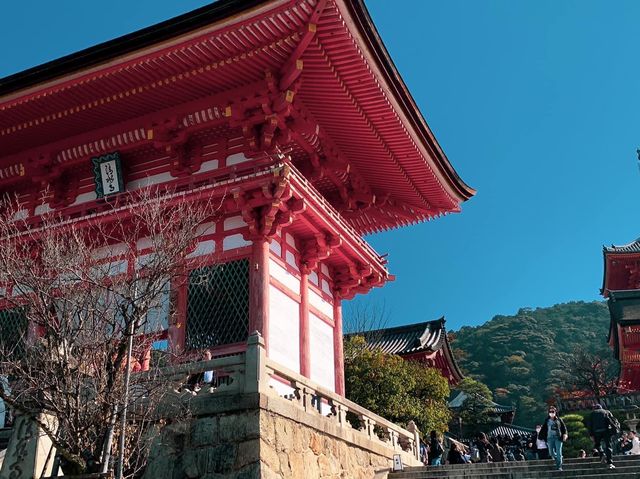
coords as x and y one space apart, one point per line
204 247
321 343
233 223
282 275
320 304
234 241
275 247
237 158
284 329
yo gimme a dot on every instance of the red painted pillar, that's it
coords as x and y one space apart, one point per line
338 352
305 345
259 289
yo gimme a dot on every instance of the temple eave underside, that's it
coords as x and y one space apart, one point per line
288 80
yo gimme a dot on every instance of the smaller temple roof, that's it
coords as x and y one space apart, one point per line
407 339
509 430
633 247
496 408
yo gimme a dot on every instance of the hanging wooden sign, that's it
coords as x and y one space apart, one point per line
107 173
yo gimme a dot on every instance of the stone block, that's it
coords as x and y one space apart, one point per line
315 443
252 471
217 459
204 432
311 468
269 456
248 453
285 466
239 427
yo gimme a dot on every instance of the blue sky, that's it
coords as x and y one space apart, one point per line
536 105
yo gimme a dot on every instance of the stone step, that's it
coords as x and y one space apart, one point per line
579 473
626 466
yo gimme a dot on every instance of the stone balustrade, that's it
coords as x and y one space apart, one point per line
252 372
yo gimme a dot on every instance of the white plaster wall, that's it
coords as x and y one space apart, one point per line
203 248
234 241
321 345
284 329
234 222
320 304
283 276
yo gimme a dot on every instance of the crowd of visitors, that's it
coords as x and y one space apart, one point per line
545 443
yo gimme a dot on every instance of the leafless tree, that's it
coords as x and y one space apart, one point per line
593 372
73 293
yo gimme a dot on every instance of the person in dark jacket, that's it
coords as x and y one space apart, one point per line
496 451
455 456
554 432
602 427
484 446
436 450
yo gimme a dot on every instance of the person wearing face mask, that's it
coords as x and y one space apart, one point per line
538 446
554 432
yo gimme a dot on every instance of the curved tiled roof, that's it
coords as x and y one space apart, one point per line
509 430
406 339
633 247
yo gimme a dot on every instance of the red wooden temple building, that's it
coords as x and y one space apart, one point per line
425 342
621 286
291 111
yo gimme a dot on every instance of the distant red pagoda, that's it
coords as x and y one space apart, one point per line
621 285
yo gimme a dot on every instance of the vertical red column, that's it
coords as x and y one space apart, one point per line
305 345
338 352
259 289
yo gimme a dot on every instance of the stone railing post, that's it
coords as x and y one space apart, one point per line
256 378
411 427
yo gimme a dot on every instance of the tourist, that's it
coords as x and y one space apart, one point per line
424 453
635 443
436 450
538 445
196 381
456 454
554 432
602 427
483 445
582 454
496 451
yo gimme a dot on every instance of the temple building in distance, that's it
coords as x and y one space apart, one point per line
425 342
621 286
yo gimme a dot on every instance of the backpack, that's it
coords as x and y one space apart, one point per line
614 424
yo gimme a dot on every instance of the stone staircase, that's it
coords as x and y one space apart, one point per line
589 468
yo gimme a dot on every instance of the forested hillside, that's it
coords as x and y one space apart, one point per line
520 357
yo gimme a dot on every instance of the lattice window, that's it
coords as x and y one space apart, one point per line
218 305
13 331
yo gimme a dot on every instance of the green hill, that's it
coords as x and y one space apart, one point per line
519 357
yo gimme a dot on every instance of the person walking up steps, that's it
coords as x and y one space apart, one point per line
554 432
602 427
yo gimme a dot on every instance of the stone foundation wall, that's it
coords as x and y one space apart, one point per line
263 436
289 449
224 446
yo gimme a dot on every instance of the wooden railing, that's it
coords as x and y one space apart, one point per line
252 372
